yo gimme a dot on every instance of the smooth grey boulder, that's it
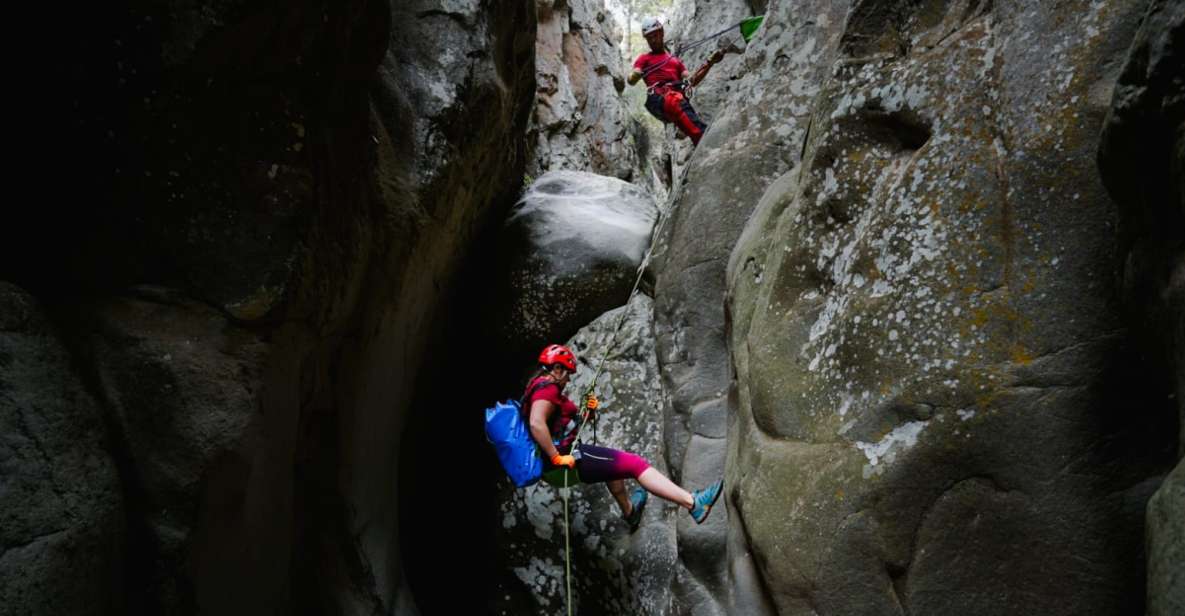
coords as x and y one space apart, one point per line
573 245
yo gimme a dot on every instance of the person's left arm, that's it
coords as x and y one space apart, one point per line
702 71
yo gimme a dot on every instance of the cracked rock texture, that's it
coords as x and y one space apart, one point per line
580 121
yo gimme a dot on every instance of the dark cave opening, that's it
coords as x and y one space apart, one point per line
449 477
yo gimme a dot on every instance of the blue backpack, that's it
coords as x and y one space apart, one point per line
511 438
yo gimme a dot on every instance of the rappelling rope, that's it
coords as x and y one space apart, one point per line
567 544
662 219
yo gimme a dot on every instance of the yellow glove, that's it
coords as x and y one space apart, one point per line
592 403
561 460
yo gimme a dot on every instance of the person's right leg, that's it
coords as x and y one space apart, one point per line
678 110
657 484
602 464
698 503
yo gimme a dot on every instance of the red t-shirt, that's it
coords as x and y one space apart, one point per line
562 425
665 68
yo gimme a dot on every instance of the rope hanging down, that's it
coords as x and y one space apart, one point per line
564 492
748 27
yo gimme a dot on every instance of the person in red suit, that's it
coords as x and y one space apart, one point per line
667 80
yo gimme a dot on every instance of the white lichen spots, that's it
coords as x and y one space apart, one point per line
886 449
830 186
442 90
543 577
543 508
965 414
881 288
989 61
847 105
847 404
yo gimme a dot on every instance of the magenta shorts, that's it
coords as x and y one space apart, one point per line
598 464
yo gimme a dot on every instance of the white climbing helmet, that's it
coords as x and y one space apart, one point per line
650 24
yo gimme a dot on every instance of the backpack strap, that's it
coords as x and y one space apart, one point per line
522 402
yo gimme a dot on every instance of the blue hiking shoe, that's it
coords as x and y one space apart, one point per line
637 506
704 499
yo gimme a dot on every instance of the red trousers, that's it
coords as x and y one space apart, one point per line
670 105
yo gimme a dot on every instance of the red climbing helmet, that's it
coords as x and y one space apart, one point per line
558 354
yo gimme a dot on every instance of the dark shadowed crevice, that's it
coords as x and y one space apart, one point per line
449 476
899 131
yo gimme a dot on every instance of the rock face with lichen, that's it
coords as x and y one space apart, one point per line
937 407
580 121
613 571
753 140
